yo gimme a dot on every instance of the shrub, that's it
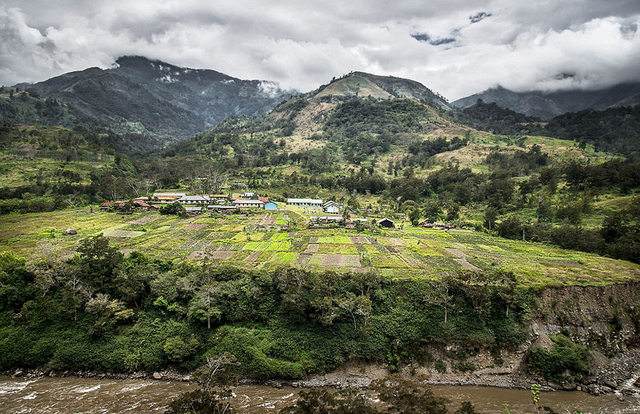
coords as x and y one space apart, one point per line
565 357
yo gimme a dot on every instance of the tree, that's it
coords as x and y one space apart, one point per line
322 401
439 294
490 216
74 292
431 210
414 216
357 306
214 395
98 261
201 402
201 309
406 396
510 227
173 208
453 212
466 408
107 310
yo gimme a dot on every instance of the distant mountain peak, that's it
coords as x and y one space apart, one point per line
146 96
362 85
548 104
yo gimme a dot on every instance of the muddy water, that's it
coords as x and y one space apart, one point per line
75 395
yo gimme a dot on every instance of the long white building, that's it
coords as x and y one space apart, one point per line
304 202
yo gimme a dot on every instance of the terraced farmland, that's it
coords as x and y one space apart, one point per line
412 252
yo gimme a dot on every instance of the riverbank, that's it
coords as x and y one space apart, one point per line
620 376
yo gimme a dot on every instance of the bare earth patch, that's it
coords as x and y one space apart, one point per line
123 233
358 239
458 253
312 248
465 264
221 254
143 220
253 257
343 260
196 226
303 259
396 242
196 254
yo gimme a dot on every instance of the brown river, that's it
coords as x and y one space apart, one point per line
77 395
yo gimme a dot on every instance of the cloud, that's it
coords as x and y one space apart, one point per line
477 18
455 47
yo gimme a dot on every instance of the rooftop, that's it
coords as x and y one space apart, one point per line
304 200
169 194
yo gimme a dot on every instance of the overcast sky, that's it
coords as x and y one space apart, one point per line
455 47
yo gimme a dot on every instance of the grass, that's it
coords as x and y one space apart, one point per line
408 253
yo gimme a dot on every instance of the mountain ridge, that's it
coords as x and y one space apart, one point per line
546 105
151 97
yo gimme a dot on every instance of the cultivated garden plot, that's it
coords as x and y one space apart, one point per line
412 252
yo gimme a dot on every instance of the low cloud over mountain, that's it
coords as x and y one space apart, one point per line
457 48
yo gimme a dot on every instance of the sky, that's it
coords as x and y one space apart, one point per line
454 47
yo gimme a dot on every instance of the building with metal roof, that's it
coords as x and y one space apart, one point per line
304 202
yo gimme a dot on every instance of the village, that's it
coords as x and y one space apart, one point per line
318 212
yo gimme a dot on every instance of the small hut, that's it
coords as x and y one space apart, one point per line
386 223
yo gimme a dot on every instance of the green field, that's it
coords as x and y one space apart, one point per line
409 253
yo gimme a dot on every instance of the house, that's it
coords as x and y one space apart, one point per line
327 219
304 202
167 197
197 199
116 205
141 205
331 207
248 203
219 198
270 205
386 223
425 224
248 195
106 206
263 199
222 209
193 210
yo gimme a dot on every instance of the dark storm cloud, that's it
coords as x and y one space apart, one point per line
520 44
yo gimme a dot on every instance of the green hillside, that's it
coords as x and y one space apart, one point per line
412 252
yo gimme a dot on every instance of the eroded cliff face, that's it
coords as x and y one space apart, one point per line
604 319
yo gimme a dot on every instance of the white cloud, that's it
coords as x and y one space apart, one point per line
519 44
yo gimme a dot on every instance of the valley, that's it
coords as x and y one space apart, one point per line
470 245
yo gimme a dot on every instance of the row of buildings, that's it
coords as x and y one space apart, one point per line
330 207
220 202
